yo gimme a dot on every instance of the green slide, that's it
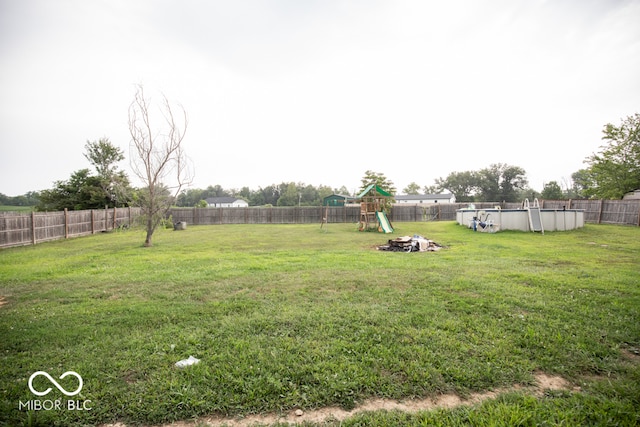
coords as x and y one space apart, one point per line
384 222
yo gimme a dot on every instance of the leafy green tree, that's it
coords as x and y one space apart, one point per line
412 189
528 193
81 191
582 182
308 195
104 156
461 184
257 198
500 182
110 187
190 197
570 188
289 195
615 170
217 191
245 193
552 191
268 195
342 191
430 189
371 177
30 198
324 191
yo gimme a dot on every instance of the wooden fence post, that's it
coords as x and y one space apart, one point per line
33 227
600 212
66 223
93 222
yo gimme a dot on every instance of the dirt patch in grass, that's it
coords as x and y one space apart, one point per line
548 382
3 300
631 354
543 382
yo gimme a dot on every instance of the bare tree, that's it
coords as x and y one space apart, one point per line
157 156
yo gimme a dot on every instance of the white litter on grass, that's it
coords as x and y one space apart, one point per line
187 362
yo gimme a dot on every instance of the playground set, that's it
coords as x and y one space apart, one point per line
372 216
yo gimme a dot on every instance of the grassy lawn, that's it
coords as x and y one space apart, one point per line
8 208
290 316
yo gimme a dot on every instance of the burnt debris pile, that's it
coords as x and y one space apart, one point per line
410 244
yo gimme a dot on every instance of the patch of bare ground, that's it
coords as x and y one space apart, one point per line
543 382
3 300
631 354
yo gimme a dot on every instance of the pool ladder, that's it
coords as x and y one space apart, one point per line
535 220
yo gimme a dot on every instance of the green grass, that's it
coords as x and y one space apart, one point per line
290 316
9 208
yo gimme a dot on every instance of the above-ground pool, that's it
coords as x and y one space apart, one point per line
518 219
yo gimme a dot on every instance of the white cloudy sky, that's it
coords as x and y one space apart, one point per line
319 91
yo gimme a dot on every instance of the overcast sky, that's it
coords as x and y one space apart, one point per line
319 91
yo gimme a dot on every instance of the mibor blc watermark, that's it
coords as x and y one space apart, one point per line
57 404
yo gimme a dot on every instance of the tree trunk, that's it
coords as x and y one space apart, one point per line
150 229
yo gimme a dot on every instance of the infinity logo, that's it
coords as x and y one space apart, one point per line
55 383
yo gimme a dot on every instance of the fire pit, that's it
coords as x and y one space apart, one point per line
410 244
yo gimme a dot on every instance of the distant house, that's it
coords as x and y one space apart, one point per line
226 202
337 200
632 195
425 199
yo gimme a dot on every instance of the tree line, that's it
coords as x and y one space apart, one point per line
498 182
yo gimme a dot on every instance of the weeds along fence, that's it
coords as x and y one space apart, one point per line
20 228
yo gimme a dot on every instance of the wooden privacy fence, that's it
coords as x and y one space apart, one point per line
19 228
624 212
265 215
